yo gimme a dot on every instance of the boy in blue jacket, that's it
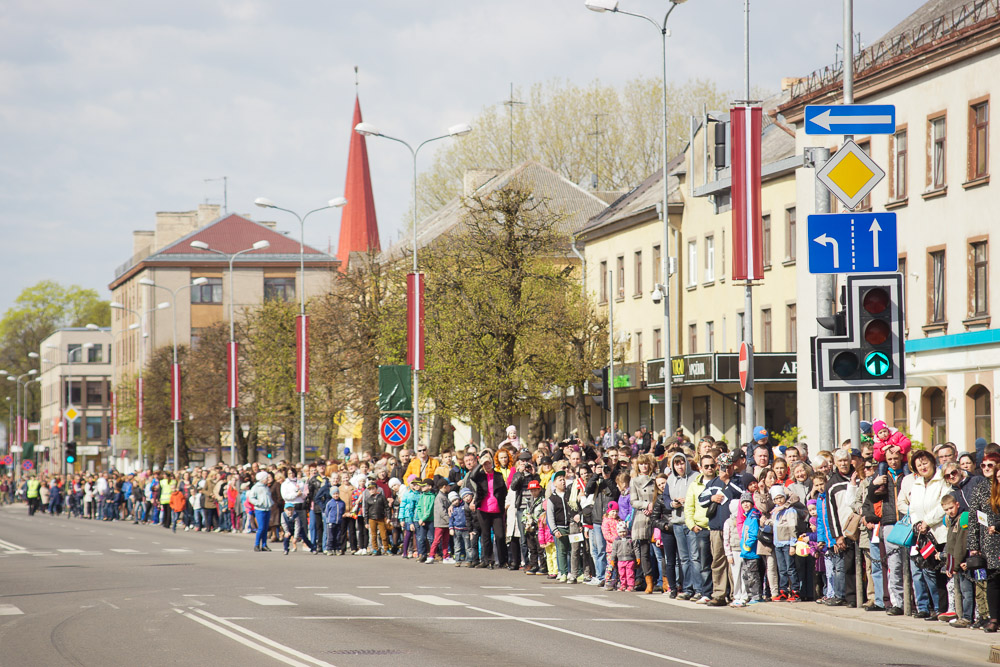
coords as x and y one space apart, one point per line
748 549
333 515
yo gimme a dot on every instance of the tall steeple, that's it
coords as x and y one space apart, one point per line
358 225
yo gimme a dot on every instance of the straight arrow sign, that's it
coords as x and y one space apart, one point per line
850 119
875 229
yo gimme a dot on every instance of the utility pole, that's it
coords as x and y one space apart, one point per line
749 416
510 103
611 353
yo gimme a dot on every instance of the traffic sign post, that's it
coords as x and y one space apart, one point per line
852 243
850 174
27 464
746 364
395 430
863 119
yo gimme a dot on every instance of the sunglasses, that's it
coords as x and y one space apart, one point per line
989 465
708 465
954 473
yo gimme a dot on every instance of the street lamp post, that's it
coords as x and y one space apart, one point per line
369 130
612 6
336 202
69 392
259 245
175 372
17 395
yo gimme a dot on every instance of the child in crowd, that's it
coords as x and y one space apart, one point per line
459 521
407 512
623 555
824 537
609 529
441 505
424 516
960 581
883 440
731 547
624 497
288 523
534 507
748 549
548 543
333 516
785 519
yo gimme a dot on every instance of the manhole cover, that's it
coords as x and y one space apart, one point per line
366 651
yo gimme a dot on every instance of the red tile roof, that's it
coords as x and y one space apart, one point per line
234 233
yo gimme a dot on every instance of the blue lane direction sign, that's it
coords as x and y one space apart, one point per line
852 243
851 119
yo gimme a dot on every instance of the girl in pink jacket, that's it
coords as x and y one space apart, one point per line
884 439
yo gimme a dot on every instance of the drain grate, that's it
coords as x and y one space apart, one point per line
366 651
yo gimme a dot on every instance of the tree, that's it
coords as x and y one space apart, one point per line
158 428
204 388
557 128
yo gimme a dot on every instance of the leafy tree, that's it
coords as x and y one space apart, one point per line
158 428
204 388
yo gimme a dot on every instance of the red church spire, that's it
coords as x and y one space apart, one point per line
358 225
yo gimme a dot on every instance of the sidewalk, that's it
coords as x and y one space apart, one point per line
932 636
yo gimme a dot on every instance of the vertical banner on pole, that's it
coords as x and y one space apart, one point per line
232 373
415 320
302 354
114 413
748 243
138 403
175 392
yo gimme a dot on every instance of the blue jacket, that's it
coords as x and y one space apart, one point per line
748 541
822 526
408 506
459 520
333 513
322 496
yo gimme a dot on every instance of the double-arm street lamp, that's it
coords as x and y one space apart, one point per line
661 290
233 393
415 327
302 330
16 379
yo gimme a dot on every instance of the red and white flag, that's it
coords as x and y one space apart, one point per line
748 243
232 374
138 404
175 392
302 354
415 321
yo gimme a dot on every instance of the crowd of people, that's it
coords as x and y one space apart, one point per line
653 514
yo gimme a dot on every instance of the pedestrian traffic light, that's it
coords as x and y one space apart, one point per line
601 388
71 452
868 353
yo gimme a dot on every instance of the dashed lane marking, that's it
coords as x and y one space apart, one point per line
519 601
435 600
9 610
351 600
268 601
599 600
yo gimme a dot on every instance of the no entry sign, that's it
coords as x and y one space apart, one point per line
395 430
744 365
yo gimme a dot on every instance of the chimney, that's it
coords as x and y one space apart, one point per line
142 240
473 179
270 224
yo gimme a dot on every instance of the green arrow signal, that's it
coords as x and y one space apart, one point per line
877 364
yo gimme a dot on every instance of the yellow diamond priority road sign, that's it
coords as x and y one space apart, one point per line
850 175
71 413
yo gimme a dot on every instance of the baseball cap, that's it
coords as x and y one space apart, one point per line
759 432
533 484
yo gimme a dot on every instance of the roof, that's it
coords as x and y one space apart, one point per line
358 223
564 197
229 234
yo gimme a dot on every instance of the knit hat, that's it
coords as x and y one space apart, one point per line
759 433
778 490
622 528
745 496
394 482
659 451
468 492
734 506
261 477
811 503
878 425
412 476
334 490
612 505
452 497
866 427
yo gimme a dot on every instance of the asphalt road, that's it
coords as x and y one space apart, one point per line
78 592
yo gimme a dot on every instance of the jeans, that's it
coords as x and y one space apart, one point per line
660 560
316 528
836 573
700 553
670 548
967 588
893 570
788 578
691 578
263 520
598 550
332 536
422 532
463 545
925 588
879 586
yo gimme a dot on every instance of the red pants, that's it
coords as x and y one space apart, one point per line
440 540
626 574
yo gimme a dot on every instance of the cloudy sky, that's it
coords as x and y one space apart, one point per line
111 110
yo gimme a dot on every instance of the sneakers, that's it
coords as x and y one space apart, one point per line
737 604
716 602
594 581
960 623
755 601
836 602
704 599
531 571
947 616
780 597
572 580
793 597
922 614
684 596
894 611
561 578
450 561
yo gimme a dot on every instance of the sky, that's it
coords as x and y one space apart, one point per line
112 110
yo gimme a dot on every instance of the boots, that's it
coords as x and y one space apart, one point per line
666 586
649 586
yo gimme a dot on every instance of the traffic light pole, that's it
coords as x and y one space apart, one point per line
826 304
849 99
611 354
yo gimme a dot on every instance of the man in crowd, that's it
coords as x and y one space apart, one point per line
841 487
720 489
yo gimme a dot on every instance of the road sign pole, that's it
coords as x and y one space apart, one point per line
611 357
826 306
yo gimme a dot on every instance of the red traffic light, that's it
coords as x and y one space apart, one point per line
875 300
877 332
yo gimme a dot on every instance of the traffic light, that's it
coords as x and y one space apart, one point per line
270 452
719 148
71 452
601 388
867 354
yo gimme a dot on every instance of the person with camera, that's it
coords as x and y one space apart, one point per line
603 489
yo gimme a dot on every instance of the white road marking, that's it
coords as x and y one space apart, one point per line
429 599
373 586
352 600
225 628
128 551
199 595
521 602
641 620
432 587
759 623
177 551
10 546
70 551
9 610
268 601
599 600
311 587
665 599
591 638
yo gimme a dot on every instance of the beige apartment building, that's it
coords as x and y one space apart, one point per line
938 67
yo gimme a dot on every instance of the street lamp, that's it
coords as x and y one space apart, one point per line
17 393
369 130
601 6
233 375
175 370
303 328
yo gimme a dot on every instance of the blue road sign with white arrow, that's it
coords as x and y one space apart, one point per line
851 119
852 243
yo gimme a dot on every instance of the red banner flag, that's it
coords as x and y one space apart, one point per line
415 321
302 354
138 404
175 392
232 374
748 244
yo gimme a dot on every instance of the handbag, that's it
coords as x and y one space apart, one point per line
852 527
902 533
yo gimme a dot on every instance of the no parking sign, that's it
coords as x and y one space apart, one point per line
395 430
27 464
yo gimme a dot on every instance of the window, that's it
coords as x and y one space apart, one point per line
740 326
94 425
766 241
701 412
692 278
709 259
865 406
95 355
935 312
982 425
938 138
765 330
638 273
978 306
210 292
74 353
692 339
710 336
279 289
866 203
638 346
937 417
657 344
979 136
792 328
604 282
657 265
898 412
790 234
906 306
899 166
620 278
95 392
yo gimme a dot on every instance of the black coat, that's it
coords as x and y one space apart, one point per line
604 491
478 483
